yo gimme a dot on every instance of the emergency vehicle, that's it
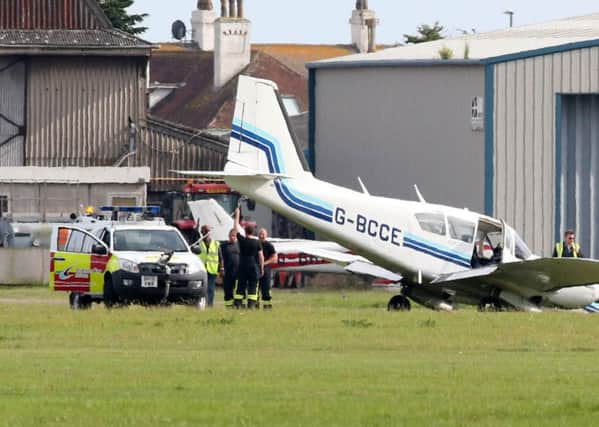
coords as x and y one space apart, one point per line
120 263
175 209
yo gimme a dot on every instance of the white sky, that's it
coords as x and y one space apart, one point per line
326 21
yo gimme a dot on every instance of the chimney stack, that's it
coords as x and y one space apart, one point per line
202 25
363 27
232 47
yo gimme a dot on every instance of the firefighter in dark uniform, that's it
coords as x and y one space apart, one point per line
568 248
251 265
230 266
270 257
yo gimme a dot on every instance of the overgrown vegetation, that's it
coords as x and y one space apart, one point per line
445 53
116 12
425 33
318 359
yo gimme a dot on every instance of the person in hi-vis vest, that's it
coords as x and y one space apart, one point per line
567 248
211 258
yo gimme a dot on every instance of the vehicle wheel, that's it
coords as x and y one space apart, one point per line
75 300
110 297
399 303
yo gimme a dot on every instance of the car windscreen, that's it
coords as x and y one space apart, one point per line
148 241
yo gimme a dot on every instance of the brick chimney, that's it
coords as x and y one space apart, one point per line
202 25
232 47
363 27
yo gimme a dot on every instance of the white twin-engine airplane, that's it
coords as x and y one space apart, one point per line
444 255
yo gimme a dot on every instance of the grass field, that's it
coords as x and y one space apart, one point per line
319 358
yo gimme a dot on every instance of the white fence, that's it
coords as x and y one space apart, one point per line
24 266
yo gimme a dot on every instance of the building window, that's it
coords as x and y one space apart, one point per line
124 201
291 105
3 203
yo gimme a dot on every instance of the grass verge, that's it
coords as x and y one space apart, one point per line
318 358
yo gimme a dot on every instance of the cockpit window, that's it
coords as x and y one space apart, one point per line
431 222
461 229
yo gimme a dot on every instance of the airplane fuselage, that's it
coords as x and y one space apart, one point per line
381 229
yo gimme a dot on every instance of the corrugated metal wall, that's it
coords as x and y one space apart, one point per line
579 180
56 201
400 126
166 147
12 111
78 109
524 136
48 14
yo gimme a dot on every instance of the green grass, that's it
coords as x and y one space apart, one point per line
318 358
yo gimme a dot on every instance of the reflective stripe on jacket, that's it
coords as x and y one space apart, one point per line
559 249
209 256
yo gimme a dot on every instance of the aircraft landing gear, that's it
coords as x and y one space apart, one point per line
491 304
399 303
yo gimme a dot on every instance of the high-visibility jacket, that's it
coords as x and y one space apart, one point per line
559 249
209 256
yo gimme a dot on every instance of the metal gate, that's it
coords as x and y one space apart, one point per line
578 170
12 111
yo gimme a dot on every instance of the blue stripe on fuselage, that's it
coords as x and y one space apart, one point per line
413 242
288 194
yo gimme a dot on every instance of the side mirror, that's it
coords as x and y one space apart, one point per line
196 250
251 204
99 249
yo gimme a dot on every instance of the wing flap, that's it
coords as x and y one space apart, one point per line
361 267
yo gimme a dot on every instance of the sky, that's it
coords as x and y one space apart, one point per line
326 21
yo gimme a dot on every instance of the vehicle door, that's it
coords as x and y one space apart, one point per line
462 232
515 249
507 254
77 261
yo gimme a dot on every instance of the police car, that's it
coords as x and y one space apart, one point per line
120 263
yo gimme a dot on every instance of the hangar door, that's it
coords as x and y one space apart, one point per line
12 111
578 176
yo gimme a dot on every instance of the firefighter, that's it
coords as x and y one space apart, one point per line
251 265
230 266
270 257
211 257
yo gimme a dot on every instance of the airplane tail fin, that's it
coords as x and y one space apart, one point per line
262 141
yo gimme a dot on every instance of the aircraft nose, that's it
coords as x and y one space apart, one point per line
596 291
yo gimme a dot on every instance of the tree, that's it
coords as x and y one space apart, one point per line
426 33
116 13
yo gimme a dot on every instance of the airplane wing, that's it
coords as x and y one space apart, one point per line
542 275
349 262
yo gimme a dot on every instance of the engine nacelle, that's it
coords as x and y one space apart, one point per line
575 297
429 300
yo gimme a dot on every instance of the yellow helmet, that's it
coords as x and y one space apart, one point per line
90 210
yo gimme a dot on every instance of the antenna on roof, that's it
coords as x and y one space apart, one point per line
178 30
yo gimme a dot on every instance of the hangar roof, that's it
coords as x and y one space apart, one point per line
484 47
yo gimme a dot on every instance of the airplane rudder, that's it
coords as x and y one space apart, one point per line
262 137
